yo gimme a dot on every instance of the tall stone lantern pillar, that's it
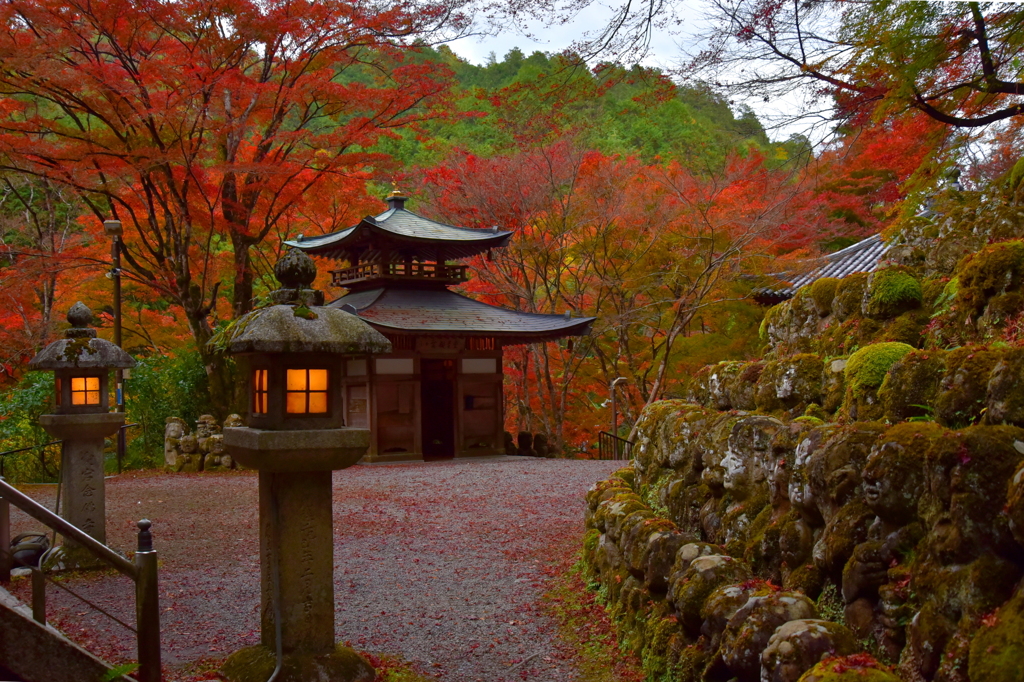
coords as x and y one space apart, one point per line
81 417
293 354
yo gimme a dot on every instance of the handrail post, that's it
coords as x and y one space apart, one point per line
6 557
38 596
147 606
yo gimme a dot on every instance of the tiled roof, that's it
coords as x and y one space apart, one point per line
864 256
440 311
403 228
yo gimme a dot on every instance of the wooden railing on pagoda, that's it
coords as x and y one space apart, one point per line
434 272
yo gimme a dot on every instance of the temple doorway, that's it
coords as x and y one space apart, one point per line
437 397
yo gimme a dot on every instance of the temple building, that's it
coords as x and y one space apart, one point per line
440 392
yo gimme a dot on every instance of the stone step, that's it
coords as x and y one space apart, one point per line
30 652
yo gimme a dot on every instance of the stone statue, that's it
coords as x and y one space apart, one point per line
173 433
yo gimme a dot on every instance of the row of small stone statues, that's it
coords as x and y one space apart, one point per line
199 451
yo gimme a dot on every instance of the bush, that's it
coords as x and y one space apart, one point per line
160 387
20 408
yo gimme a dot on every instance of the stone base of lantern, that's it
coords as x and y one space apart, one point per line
257 663
83 495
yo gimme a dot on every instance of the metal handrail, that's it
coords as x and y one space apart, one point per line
122 444
616 446
143 572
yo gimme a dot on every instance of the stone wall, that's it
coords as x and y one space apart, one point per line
850 506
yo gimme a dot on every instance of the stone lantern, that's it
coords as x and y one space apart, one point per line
293 355
81 418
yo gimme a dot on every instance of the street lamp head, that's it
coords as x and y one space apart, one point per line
112 228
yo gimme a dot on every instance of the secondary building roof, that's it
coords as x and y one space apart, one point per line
444 312
864 256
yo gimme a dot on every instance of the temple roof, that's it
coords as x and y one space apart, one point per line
864 256
406 233
444 312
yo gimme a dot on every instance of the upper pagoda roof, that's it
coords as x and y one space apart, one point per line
444 312
405 233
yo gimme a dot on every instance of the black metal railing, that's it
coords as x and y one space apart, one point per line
142 571
610 446
122 443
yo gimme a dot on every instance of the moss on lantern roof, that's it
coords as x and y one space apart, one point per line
300 329
80 349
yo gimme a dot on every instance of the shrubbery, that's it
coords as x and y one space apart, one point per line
160 386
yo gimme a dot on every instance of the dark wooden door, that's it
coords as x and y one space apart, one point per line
437 387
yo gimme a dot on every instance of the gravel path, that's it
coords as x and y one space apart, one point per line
442 563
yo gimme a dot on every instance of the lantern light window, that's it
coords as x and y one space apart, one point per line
306 391
85 390
259 391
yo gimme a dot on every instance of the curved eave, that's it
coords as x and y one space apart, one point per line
578 327
440 312
339 245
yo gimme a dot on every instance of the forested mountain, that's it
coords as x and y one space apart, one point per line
635 112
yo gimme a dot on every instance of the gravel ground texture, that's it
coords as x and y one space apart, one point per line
443 564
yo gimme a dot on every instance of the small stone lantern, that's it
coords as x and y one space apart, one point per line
295 352
81 418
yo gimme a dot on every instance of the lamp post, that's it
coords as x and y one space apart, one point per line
112 228
82 418
615 412
295 352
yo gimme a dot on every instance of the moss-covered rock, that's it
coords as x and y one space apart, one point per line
890 292
790 383
911 385
822 292
1004 401
1015 506
689 590
963 390
797 646
997 648
866 369
849 295
854 668
994 270
747 634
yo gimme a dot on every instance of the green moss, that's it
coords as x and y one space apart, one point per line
849 294
789 383
998 647
304 312
994 270
911 386
908 328
822 291
256 664
964 387
867 367
772 317
892 291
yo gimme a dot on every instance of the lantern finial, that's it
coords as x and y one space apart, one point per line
296 272
79 317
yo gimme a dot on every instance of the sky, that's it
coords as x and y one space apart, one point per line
665 48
